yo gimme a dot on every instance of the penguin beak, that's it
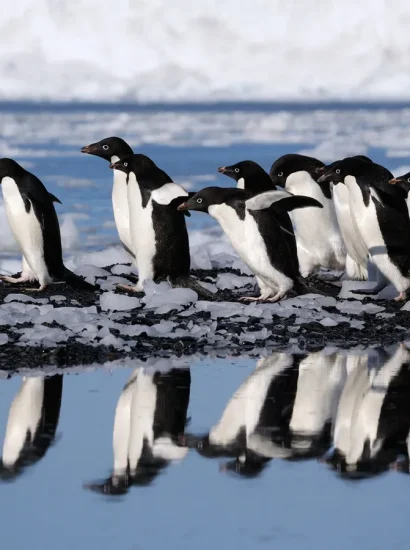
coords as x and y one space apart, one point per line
223 170
89 149
115 166
184 206
226 171
393 181
327 176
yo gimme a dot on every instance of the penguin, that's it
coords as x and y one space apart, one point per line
27 275
33 220
249 175
381 216
318 237
374 412
252 177
150 418
114 149
403 182
252 225
158 230
284 410
32 424
356 251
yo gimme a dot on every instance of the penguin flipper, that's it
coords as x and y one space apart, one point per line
281 201
54 198
76 281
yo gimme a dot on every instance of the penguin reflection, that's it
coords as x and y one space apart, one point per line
283 410
31 424
373 418
151 414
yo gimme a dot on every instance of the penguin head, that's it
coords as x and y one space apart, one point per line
247 174
9 168
291 163
402 181
337 171
109 149
211 196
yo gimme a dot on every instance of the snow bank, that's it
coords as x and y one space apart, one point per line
204 51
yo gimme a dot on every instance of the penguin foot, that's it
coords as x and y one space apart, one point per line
402 297
128 288
250 298
14 281
279 296
39 289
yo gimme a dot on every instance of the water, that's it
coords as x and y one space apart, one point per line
295 499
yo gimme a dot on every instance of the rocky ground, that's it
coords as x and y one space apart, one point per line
65 327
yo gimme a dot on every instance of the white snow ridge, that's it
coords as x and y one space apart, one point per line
205 51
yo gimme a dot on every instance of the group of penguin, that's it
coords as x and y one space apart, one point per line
293 407
304 215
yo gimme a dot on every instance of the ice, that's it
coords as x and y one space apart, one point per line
220 309
3 339
121 269
163 295
328 322
70 235
196 64
58 298
44 336
348 290
230 281
255 335
118 302
102 258
24 298
91 272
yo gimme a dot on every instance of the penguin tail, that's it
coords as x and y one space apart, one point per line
76 281
193 284
302 286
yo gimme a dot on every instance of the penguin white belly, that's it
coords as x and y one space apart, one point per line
320 382
248 242
122 420
24 416
120 208
26 230
142 232
365 421
368 224
317 232
353 241
143 404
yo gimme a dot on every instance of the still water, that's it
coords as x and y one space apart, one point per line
282 450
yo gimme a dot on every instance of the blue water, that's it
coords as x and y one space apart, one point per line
290 504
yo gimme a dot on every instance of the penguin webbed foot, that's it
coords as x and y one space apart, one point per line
402 297
13 280
250 298
128 288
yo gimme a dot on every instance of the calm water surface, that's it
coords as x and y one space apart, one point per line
283 450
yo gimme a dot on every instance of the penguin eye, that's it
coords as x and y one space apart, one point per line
408 179
105 147
125 164
317 170
199 200
280 174
237 170
337 170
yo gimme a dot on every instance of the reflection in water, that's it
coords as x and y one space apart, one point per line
350 411
31 425
354 414
151 415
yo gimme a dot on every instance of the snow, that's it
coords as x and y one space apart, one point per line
118 302
213 50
